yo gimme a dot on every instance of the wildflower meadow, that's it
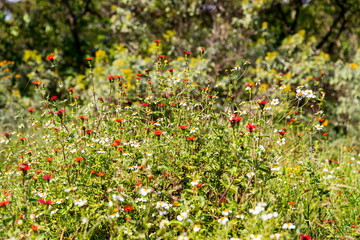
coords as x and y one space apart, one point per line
222 127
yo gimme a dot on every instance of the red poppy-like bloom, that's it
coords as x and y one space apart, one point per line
263 102
34 227
31 109
100 174
145 104
187 52
183 127
24 167
89 131
157 41
250 127
235 118
202 50
71 89
316 79
161 56
47 176
119 120
138 183
170 69
82 118
128 208
89 58
50 57
60 112
192 138
305 237
46 202
250 85
158 132
49 159
4 203
78 159
52 98
282 132
37 83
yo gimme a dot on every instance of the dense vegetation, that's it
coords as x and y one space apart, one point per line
179 119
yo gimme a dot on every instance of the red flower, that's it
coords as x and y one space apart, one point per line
50 57
235 118
100 174
305 237
119 120
4 203
31 109
250 85
138 183
158 132
263 102
47 176
24 167
34 227
60 112
202 50
157 41
145 104
89 131
52 98
250 127
46 202
128 208
316 79
191 138
187 52
82 118
78 159
89 58
71 89
183 127
170 70
161 56
37 83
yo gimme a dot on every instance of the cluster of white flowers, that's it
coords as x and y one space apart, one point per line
281 141
145 191
258 208
223 220
196 228
288 226
117 197
182 216
268 216
69 189
163 223
226 212
275 236
80 202
114 215
250 174
275 102
256 236
304 93
319 127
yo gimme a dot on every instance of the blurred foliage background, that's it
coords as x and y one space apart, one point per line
294 40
